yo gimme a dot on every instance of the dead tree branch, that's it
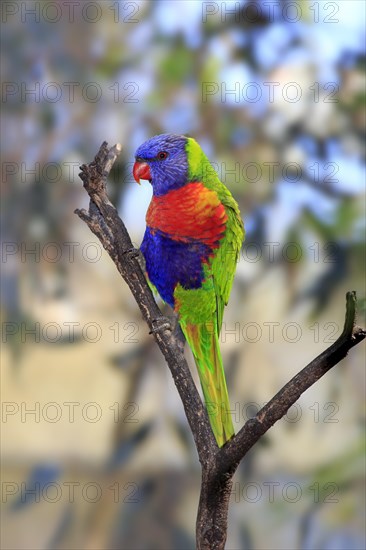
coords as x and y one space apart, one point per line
218 465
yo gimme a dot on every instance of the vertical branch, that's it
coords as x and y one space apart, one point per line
211 525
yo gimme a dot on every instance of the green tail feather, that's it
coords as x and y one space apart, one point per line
204 343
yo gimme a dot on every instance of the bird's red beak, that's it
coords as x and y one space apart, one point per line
141 171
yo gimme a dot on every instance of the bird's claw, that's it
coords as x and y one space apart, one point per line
132 253
161 324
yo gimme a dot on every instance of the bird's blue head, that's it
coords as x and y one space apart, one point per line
163 161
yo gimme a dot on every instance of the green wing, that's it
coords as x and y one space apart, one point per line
223 265
225 261
201 310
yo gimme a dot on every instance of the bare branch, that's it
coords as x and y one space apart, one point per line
278 406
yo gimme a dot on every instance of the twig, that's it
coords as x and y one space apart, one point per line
278 406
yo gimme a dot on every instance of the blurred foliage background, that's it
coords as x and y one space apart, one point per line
96 452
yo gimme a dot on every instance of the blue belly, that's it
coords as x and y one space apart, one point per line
170 262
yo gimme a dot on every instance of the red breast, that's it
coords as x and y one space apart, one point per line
190 213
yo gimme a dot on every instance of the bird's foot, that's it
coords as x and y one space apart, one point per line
161 324
132 253
179 337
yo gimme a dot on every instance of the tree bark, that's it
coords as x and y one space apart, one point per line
213 508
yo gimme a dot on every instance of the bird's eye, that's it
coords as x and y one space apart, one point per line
162 155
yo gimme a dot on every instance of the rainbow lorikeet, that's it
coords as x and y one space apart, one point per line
191 246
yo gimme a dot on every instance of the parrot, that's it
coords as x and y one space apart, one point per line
191 245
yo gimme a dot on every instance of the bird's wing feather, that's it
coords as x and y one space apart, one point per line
226 256
225 260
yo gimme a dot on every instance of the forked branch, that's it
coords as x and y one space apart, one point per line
218 465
